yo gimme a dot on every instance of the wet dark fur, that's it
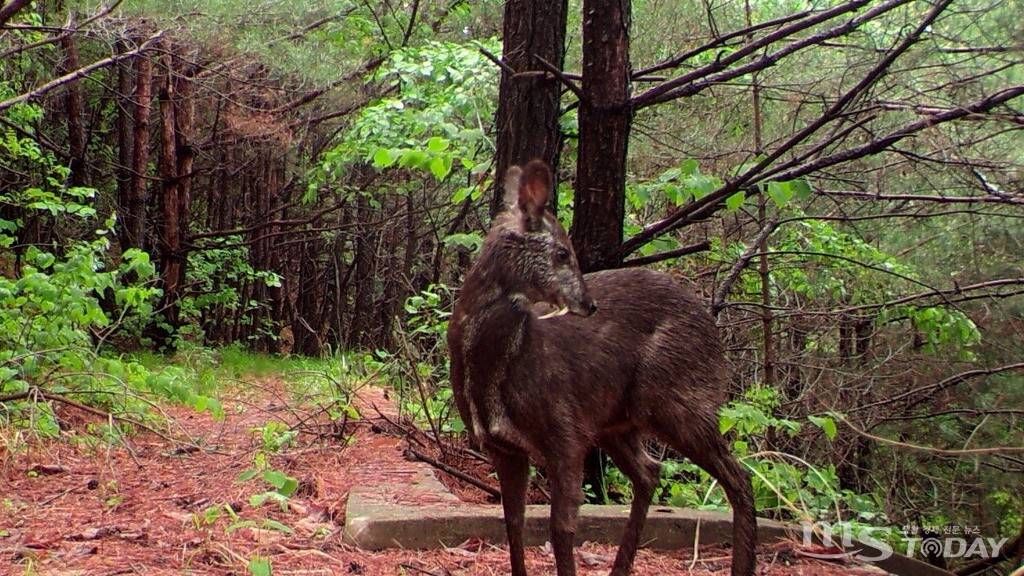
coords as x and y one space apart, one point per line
647 364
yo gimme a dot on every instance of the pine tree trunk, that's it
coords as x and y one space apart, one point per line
75 109
175 164
605 119
528 102
132 207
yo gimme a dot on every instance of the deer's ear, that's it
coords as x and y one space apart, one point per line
534 191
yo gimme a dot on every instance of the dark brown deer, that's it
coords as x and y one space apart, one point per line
637 358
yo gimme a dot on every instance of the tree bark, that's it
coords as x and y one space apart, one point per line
125 139
306 325
9 9
605 119
528 100
75 110
176 159
367 263
132 207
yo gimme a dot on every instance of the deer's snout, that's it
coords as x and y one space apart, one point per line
587 306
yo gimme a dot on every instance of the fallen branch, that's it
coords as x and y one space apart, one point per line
452 471
35 394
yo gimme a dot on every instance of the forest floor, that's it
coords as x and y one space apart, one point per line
159 505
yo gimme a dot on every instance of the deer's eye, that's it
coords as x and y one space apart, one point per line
561 255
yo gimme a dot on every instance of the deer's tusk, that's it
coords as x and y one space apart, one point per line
555 313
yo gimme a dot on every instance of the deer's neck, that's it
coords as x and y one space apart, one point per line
496 321
495 334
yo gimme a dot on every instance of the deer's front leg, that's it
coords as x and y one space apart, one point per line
513 477
566 497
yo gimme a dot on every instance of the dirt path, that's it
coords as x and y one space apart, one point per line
74 507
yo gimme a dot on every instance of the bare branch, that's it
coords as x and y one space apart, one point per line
719 41
668 254
880 144
497 61
688 85
929 449
741 263
923 110
937 199
955 291
80 73
711 203
7 11
562 77
924 392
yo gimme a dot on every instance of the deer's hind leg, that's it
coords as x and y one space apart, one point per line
700 440
629 454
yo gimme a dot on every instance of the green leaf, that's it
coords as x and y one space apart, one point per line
471 241
437 144
670 174
462 193
688 167
675 194
640 196
827 425
284 483
736 200
801 189
383 158
275 525
440 167
413 159
700 185
260 567
780 192
241 524
247 475
726 423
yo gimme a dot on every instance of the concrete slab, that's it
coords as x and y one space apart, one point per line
374 524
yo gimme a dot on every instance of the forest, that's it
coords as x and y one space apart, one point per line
307 182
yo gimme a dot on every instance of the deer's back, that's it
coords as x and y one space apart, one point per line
650 346
658 324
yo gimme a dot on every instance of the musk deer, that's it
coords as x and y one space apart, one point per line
627 355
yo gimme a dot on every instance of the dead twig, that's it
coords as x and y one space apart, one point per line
36 394
80 73
422 571
452 471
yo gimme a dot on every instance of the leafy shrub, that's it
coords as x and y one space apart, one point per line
423 366
59 305
785 486
216 273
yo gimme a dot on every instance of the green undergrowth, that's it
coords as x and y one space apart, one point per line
786 487
128 388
